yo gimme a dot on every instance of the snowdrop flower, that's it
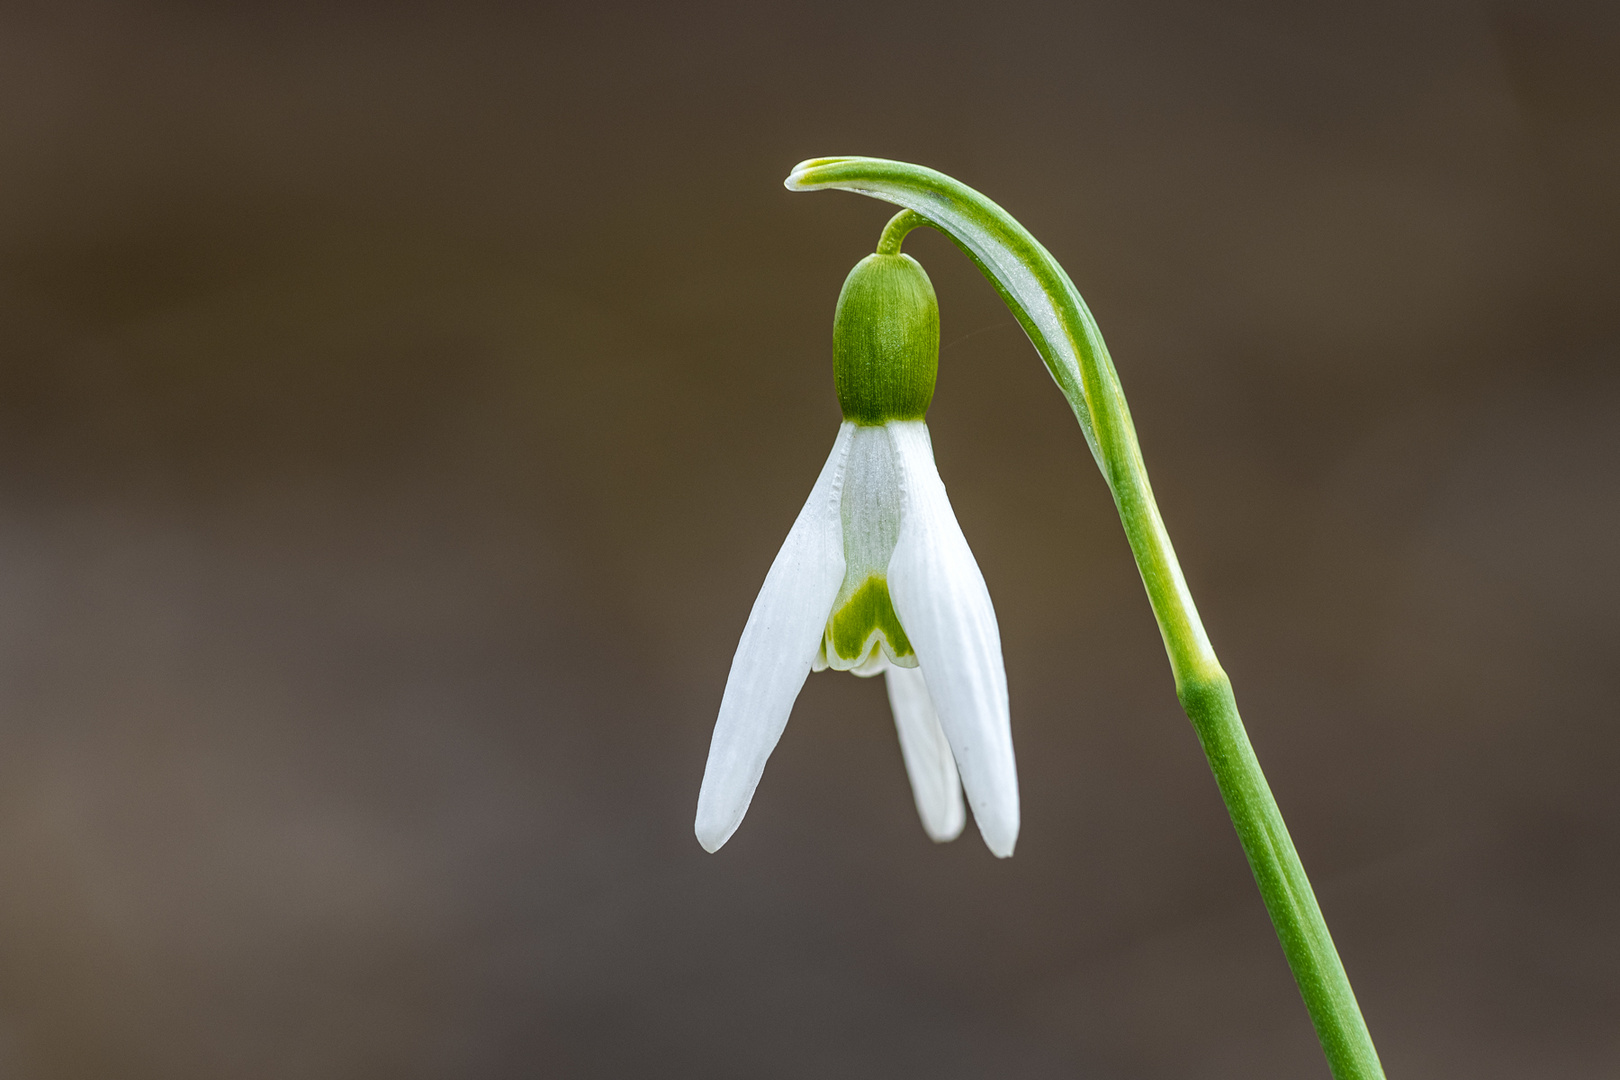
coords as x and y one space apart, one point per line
876 578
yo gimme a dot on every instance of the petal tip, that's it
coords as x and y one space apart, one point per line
716 822
711 838
1000 836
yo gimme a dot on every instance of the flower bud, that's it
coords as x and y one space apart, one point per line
886 341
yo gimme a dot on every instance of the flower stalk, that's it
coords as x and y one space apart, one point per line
1051 311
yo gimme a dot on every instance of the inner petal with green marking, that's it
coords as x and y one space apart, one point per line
863 633
863 623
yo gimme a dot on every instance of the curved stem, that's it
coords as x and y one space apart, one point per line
1058 323
894 233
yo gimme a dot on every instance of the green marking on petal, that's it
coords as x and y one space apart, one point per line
869 611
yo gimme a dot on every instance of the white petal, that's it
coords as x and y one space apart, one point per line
934 783
778 645
874 664
945 608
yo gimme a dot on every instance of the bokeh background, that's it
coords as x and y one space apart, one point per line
400 406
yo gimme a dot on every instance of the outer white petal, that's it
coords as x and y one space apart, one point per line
934 782
773 658
945 608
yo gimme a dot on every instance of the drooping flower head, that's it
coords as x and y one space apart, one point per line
876 577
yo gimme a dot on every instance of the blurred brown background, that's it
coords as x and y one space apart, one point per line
400 406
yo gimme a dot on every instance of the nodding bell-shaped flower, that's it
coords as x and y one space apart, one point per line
876 577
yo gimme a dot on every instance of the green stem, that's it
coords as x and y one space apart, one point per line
1047 305
894 233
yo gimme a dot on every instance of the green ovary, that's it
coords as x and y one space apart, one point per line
867 611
